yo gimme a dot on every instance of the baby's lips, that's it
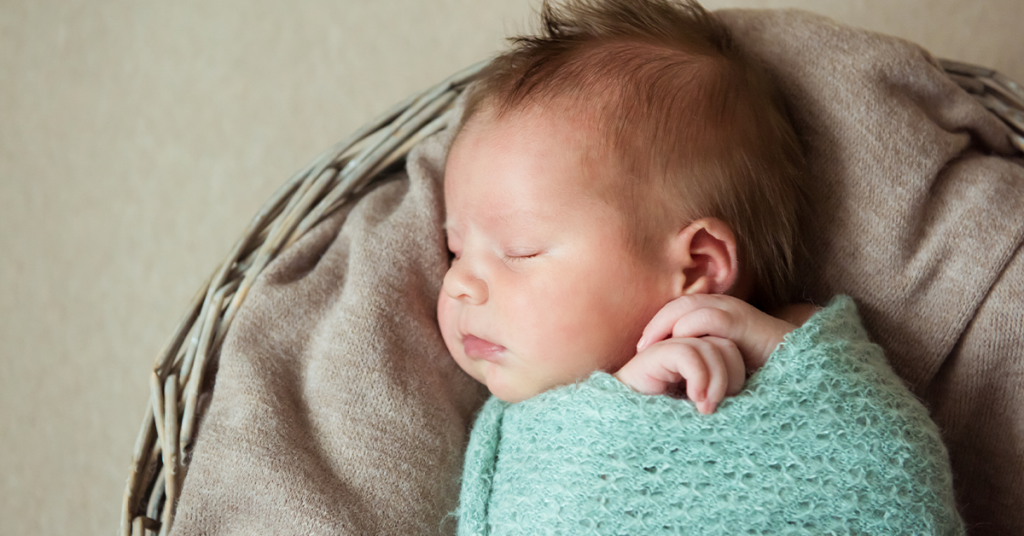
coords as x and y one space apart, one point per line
478 348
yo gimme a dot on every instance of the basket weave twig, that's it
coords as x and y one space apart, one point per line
161 451
999 94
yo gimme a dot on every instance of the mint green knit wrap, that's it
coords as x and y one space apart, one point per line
824 439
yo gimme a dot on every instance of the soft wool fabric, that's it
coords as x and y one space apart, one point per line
825 439
338 411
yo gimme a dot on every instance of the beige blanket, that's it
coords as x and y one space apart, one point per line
338 411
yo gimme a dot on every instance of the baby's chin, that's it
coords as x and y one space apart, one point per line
486 374
509 393
513 392
511 398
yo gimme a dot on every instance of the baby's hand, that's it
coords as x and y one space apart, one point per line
754 332
711 366
736 337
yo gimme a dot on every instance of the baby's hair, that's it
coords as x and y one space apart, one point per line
694 128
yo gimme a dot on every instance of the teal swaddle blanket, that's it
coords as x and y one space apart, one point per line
824 439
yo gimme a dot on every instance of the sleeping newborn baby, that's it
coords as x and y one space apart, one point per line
622 198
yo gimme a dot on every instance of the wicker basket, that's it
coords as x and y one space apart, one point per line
160 458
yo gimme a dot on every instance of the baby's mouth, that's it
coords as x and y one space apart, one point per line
477 348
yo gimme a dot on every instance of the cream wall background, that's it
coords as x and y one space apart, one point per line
138 138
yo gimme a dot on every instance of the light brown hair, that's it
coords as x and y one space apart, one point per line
693 127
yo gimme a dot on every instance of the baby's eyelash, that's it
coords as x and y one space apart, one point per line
513 258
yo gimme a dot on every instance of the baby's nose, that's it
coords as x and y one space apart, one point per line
461 284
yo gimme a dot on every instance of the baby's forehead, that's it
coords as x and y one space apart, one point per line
563 124
537 149
534 141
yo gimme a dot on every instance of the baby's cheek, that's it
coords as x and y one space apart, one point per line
604 328
554 326
445 319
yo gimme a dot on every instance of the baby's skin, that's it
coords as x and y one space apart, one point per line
544 287
709 340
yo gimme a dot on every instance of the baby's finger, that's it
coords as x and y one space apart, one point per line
718 376
644 376
690 364
706 321
647 372
660 327
734 364
663 365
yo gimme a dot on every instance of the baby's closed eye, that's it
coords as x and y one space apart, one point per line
520 254
515 258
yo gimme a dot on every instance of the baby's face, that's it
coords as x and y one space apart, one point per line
543 289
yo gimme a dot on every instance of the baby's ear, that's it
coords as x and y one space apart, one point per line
705 257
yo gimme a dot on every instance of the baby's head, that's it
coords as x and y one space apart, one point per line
625 157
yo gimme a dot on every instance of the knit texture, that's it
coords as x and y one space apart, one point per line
824 439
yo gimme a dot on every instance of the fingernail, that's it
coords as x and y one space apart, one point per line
640 344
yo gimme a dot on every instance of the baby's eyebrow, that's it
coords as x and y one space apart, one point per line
522 221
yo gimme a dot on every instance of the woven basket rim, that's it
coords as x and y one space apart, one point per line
162 448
